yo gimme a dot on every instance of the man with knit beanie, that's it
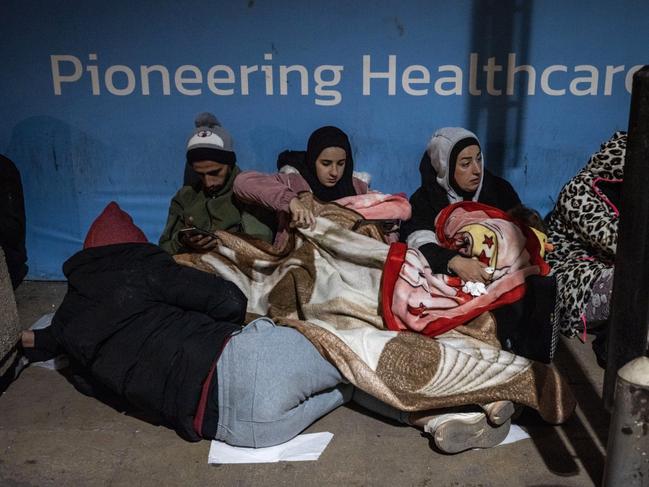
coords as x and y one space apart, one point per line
209 204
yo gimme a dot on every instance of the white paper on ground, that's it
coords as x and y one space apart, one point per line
516 433
301 448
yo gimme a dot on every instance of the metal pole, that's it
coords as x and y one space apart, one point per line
629 320
627 459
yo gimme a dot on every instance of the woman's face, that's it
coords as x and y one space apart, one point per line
330 166
468 168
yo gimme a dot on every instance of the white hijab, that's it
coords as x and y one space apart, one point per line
439 150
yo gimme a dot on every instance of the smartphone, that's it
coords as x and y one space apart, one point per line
193 231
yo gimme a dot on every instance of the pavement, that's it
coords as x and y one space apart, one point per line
51 435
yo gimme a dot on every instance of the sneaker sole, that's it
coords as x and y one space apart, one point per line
455 435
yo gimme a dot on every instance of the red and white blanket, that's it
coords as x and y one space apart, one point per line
414 298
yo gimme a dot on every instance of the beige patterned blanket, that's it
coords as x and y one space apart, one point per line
326 283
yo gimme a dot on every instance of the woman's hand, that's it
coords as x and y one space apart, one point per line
469 269
301 216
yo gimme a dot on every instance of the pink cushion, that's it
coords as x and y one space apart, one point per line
113 226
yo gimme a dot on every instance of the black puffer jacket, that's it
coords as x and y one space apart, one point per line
145 327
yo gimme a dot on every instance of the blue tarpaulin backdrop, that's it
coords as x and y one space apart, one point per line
85 126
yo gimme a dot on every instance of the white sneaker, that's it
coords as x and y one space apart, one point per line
456 432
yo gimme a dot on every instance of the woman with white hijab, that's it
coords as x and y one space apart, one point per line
452 170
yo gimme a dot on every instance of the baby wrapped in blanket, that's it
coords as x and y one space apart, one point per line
414 298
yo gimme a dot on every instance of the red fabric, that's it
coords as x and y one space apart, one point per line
442 325
202 403
397 255
601 194
532 245
199 417
113 226
391 269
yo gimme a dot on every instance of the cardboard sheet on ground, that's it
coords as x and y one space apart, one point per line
301 448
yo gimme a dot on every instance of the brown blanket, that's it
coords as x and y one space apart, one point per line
326 283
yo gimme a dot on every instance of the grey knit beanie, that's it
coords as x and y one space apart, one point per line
210 141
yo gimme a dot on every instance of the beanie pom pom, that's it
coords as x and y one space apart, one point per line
206 119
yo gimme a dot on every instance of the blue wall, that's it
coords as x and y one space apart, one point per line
78 150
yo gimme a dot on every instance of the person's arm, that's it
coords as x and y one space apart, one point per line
180 216
419 232
273 191
278 192
438 257
422 220
169 239
191 289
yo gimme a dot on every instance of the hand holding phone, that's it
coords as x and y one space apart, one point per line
198 239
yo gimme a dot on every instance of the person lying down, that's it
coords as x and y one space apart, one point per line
327 284
170 341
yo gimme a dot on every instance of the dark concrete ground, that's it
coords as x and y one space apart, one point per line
52 435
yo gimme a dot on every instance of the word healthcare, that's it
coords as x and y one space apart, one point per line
491 78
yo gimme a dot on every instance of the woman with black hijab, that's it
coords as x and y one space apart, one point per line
452 170
326 170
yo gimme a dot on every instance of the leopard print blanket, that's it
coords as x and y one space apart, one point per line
583 230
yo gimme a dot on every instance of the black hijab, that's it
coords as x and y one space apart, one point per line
318 141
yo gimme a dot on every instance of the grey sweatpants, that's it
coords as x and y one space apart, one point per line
272 384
